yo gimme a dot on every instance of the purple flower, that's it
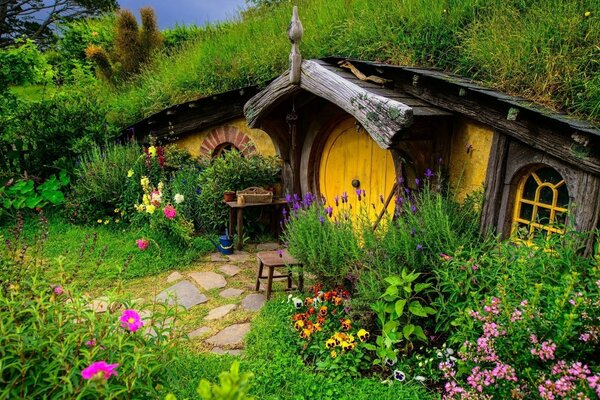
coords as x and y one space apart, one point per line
400 181
284 212
296 197
428 173
131 320
419 247
91 343
280 252
296 206
336 199
358 193
413 209
344 197
309 198
99 370
288 198
407 190
399 376
321 219
399 200
58 290
329 211
412 232
417 182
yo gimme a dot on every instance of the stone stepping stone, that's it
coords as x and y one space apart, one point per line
220 351
184 293
230 293
269 246
209 280
230 270
99 305
203 330
254 301
220 312
240 256
230 336
175 276
217 257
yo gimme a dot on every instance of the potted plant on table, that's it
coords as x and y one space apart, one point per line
228 195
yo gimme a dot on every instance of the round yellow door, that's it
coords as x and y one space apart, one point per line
352 157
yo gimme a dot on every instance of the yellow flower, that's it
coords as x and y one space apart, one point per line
305 334
99 221
117 221
152 151
146 199
330 343
106 222
150 209
299 325
145 182
363 335
130 173
117 210
333 354
587 14
351 339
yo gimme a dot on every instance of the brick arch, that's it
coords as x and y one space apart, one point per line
227 134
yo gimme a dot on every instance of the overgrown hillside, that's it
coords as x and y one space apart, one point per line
544 50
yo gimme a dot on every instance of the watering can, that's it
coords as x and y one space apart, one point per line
225 245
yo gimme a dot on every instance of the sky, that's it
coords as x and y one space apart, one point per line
199 12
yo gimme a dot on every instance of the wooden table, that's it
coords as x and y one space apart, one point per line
236 212
273 259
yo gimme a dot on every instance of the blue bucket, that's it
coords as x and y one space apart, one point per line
226 243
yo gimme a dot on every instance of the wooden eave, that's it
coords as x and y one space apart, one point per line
192 116
382 117
573 141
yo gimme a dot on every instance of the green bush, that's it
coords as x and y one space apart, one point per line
49 336
23 63
233 171
101 184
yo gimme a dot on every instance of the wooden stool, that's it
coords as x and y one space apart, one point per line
272 260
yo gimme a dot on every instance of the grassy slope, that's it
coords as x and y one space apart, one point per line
546 50
279 372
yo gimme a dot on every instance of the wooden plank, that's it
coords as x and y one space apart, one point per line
382 118
541 138
494 182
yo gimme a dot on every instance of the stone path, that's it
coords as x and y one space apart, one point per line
218 297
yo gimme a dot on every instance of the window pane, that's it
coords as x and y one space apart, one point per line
543 216
548 174
560 219
526 211
530 188
546 195
563 197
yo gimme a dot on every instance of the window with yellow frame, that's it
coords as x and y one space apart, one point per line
541 204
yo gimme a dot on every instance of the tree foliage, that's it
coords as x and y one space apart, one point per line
34 19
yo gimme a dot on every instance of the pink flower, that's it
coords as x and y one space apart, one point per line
58 290
170 212
142 244
99 370
91 343
584 337
131 320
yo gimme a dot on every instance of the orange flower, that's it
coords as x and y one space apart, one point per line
311 311
321 320
329 295
338 301
305 334
346 324
308 302
323 311
317 327
298 317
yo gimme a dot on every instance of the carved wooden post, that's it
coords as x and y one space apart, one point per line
295 32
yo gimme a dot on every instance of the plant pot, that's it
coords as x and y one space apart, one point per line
229 196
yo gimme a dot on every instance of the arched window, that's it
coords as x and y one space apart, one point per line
222 148
541 204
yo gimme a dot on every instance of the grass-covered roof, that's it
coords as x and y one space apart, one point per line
544 50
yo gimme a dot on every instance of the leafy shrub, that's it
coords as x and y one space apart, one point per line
233 171
25 194
327 248
101 183
23 63
50 337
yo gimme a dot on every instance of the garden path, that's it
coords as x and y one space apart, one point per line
217 297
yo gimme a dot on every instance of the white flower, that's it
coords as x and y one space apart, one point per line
420 378
399 376
449 351
179 198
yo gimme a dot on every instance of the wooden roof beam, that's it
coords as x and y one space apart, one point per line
381 117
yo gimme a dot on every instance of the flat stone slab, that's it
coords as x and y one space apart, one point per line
174 276
218 350
254 301
240 256
203 330
217 257
269 246
220 312
230 270
99 305
209 280
230 293
184 293
230 336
